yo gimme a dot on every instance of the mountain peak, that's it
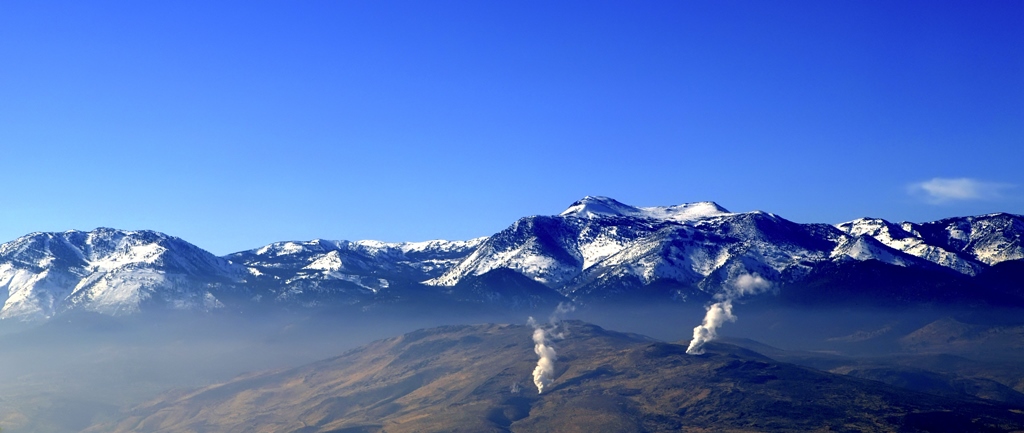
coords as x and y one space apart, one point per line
593 206
599 206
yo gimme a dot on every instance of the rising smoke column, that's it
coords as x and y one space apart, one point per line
721 311
718 313
544 373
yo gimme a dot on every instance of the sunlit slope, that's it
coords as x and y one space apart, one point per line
477 379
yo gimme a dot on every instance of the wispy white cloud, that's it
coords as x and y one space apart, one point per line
943 190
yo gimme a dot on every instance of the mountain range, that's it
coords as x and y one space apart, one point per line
597 250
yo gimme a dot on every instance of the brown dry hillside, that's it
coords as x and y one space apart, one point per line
477 379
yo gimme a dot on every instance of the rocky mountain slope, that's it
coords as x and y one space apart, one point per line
596 250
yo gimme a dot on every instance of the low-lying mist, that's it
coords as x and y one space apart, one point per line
66 374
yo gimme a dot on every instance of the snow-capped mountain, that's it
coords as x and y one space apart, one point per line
118 272
591 234
598 207
896 237
600 247
108 271
320 271
596 249
989 239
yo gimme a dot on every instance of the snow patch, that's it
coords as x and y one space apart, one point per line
330 262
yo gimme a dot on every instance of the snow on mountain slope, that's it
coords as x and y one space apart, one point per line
663 255
345 269
554 250
599 244
862 248
537 247
105 270
896 237
31 294
430 257
988 239
599 240
715 249
594 207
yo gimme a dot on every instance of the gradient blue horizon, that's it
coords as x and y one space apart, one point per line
236 124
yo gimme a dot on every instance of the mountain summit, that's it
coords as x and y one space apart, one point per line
595 207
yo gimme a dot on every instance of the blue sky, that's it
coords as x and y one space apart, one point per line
237 124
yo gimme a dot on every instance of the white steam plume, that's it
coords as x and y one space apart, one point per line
747 284
721 311
544 373
718 313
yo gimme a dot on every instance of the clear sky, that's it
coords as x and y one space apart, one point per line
236 124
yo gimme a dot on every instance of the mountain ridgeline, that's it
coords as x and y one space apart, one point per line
597 251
